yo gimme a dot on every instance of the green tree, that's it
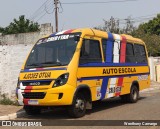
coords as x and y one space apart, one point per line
150 33
152 27
1 29
113 25
152 41
21 25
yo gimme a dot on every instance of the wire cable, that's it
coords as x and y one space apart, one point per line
100 2
51 7
41 10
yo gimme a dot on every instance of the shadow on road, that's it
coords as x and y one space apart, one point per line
61 113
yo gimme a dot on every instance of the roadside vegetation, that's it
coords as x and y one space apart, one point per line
149 32
6 101
21 25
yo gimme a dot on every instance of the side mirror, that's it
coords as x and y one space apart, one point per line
76 38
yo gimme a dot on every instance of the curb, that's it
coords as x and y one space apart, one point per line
12 116
150 89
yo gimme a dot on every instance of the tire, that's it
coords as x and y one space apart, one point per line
32 110
132 97
78 108
124 98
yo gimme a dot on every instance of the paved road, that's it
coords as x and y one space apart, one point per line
147 108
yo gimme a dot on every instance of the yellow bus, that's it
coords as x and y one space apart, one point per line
75 67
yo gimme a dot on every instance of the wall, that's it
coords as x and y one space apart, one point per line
13 51
158 73
26 38
11 60
154 63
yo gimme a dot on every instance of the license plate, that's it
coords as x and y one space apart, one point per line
33 102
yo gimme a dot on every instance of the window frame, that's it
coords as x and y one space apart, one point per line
140 56
87 59
133 50
103 40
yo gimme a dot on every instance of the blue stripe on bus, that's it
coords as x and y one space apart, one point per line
106 79
109 48
47 80
113 76
28 70
104 87
53 34
17 90
111 64
90 78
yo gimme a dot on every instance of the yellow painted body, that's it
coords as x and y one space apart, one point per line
76 75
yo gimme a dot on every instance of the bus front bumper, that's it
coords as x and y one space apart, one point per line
58 96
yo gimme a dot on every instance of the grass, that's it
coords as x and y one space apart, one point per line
7 101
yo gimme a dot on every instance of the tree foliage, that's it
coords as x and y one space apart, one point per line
21 25
113 25
149 32
151 27
152 41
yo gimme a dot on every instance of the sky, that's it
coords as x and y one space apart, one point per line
78 15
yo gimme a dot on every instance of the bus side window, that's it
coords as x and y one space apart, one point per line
130 57
140 53
90 52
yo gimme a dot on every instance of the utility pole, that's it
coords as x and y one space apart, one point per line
56 14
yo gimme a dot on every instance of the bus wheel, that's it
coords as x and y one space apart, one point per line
78 108
132 97
32 110
124 98
134 94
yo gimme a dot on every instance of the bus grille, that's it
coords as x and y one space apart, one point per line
36 83
34 95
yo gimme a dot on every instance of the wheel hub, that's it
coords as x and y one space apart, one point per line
80 104
134 95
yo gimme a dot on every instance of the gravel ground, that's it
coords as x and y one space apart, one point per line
9 109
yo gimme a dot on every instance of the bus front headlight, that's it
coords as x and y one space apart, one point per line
61 80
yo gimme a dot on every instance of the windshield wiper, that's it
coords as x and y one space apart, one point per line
34 65
45 64
53 63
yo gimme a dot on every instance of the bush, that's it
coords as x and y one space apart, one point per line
7 101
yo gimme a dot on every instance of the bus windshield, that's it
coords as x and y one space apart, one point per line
52 51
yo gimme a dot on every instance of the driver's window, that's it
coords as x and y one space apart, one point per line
90 51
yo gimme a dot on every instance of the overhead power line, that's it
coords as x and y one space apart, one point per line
100 2
51 6
49 9
138 19
46 8
149 16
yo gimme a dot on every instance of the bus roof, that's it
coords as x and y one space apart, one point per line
97 33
